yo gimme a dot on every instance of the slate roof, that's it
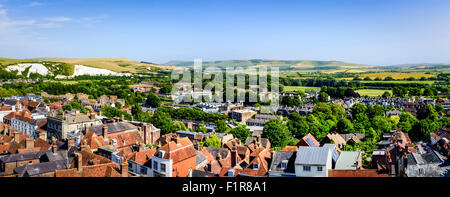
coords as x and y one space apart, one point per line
113 128
347 160
312 155
215 150
40 168
22 157
279 157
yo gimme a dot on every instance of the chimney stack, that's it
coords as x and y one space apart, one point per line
92 116
29 143
16 136
234 158
124 168
79 160
54 147
105 130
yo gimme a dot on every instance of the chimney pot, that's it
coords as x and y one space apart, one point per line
124 168
105 130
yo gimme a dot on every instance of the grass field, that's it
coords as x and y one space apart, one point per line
400 82
295 88
395 75
113 64
372 92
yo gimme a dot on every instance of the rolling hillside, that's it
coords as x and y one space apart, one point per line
282 64
119 65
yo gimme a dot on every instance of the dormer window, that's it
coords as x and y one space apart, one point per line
255 166
161 154
284 164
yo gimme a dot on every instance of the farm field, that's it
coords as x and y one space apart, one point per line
396 75
372 92
400 82
296 88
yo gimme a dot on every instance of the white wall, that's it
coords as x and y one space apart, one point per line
314 173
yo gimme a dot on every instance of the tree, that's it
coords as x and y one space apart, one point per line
162 121
386 94
428 113
118 105
201 128
344 125
358 108
277 132
381 124
439 109
213 141
153 100
221 126
67 107
298 125
241 132
179 126
421 131
406 122
137 112
323 97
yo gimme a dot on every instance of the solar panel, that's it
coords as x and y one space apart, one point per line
310 142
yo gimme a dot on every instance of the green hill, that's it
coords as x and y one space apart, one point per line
282 64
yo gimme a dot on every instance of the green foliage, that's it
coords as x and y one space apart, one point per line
179 126
213 141
153 100
277 132
344 125
201 128
221 126
241 132
163 121
298 125
381 124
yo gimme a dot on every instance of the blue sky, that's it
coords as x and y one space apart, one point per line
380 32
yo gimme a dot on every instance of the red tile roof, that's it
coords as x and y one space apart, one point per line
356 173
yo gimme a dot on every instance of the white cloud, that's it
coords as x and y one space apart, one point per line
35 4
58 19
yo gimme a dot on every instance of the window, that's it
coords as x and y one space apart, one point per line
155 165
307 168
319 168
143 170
284 164
163 167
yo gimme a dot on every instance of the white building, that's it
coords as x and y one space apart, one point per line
161 167
313 161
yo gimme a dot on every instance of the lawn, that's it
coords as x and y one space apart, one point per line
372 92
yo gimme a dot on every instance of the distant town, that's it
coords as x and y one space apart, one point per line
114 126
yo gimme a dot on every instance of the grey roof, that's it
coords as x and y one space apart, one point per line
264 141
279 157
347 160
113 127
40 168
215 150
334 153
23 156
199 158
11 102
422 159
312 155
